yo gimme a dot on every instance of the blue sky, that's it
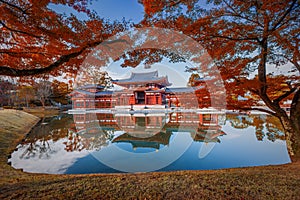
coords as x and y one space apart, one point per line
117 9
109 9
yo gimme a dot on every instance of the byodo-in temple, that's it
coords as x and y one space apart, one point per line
141 90
157 111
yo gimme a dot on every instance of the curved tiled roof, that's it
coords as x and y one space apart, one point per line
91 86
144 78
92 94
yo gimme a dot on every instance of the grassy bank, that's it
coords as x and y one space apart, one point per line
269 182
42 112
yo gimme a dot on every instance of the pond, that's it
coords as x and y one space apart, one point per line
112 143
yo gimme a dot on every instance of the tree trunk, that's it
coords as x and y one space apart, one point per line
291 136
42 100
291 127
27 103
290 124
295 121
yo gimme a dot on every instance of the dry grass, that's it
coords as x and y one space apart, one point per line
269 182
14 120
42 112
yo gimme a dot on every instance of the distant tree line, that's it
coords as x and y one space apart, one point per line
35 94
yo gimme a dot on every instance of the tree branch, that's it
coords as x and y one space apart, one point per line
18 31
174 3
8 71
238 14
4 51
286 94
259 109
255 108
4 70
284 15
14 6
235 39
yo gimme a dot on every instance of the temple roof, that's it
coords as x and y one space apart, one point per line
92 94
91 86
144 78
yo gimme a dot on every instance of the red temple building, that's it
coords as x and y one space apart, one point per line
140 90
146 109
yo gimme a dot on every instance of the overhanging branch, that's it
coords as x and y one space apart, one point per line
4 70
285 95
18 31
14 6
8 71
283 16
236 39
259 109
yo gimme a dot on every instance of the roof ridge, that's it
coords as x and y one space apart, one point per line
155 72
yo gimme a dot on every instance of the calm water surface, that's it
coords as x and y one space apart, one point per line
109 143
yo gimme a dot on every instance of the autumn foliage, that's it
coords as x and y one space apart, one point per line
244 39
37 40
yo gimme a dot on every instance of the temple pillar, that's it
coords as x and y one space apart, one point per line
201 118
160 99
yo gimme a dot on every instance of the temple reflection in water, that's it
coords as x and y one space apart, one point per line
98 142
149 130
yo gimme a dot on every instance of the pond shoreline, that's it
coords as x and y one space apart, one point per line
275 182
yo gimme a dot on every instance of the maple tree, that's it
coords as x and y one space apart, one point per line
60 90
36 40
245 38
250 37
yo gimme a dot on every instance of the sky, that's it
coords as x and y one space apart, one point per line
117 9
109 9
